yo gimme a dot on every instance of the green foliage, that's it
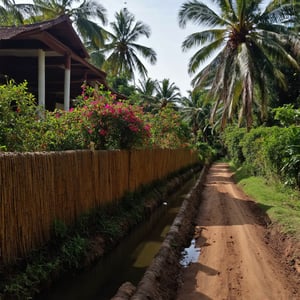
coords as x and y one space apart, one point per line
98 121
232 137
291 167
249 42
121 85
111 226
23 285
26 127
73 250
280 202
287 115
62 131
19 122
206 152
267 151
252 150
276 148
167 129
122 49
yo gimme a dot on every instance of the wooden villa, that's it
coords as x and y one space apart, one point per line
51 57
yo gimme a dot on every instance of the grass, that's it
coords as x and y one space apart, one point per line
280 202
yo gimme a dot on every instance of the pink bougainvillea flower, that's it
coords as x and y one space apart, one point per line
103 132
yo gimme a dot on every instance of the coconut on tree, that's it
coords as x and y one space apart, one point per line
245 41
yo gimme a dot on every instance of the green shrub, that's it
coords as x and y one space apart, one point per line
62 130
273 152
232 137
253 151
206 152
98 121
275 146
281 153
291 167
73 250
19 118
24 284
287 115
168 131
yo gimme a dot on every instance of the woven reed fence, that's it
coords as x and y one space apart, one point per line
37 188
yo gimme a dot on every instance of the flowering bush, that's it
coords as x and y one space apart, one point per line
167 129
111 124
97 121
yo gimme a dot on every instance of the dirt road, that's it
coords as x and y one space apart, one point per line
235 261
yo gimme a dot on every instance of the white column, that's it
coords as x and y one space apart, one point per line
67 84
41 77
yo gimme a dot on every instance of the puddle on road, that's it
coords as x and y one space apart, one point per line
190 254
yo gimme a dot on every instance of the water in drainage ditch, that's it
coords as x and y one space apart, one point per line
127 262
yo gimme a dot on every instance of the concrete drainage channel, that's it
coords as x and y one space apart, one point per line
161 278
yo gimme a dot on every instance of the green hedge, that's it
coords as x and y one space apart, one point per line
232 137
267 151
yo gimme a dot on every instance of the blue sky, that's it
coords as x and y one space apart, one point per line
166 37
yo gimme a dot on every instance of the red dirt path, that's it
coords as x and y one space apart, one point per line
235 261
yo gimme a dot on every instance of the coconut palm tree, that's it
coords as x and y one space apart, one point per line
11 13
167 92
147 90
195 110
97 57
122 50
244 40
84 14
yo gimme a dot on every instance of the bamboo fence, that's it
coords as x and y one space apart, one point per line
38 188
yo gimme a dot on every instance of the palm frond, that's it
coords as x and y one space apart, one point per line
206 75
90 31
200 38
139 66
139 29
203 54
147 53
200 14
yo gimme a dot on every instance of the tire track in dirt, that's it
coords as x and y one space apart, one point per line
235 262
